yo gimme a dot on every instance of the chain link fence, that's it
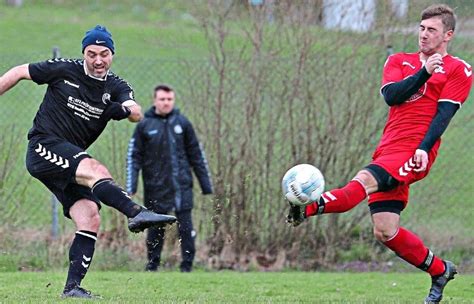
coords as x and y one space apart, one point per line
441 207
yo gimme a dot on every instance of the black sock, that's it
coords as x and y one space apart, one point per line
80 257
114 196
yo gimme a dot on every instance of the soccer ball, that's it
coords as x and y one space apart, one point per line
302 184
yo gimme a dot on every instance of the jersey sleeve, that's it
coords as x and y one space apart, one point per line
456 90
47 71
123 92
392 70
135 154
197 158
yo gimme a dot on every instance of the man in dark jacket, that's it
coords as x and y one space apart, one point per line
165 147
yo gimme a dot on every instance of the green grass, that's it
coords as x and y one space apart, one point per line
234 287
139 30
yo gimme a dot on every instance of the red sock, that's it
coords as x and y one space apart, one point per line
410 247
338 200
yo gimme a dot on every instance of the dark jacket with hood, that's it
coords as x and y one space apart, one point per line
165 148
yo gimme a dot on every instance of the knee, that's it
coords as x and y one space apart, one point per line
368 180
386 225
383 180
98 170
90 171
95 222
90 222
383 232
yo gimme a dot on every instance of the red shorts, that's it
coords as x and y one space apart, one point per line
400 165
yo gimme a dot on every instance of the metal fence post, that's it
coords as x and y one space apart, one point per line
389 50
56 52
54 200
55 219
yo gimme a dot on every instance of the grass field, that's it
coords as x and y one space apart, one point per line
234 287
140 29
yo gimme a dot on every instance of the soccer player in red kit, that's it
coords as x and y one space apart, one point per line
424 90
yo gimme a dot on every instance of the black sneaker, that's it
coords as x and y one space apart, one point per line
152 267
146 219
185 269
79 292
439 282
186 266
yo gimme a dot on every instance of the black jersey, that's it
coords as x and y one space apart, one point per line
74 102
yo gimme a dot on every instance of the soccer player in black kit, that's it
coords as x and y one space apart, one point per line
81 97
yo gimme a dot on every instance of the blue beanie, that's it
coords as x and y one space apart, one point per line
98 36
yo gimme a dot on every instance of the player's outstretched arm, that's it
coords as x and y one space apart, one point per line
135 112
118 111
13 76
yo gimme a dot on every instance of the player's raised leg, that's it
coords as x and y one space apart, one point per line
334 201
367 181
338 200
93 174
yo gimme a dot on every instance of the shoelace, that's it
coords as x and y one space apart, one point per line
95 296
84 290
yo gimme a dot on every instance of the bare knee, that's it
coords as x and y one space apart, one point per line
383 234
85 214
386 225
368 180
90 171
89 223
93 224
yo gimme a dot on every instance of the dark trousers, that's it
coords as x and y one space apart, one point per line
155 241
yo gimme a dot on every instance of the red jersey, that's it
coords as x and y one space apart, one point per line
408 122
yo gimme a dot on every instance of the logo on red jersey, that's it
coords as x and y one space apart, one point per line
440 70
418 94
407 167
467 72
408 64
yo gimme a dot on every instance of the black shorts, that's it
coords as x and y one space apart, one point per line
54 162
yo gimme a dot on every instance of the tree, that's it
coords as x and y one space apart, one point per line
274 94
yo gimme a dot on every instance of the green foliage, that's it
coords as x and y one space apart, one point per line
357 252
8 263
